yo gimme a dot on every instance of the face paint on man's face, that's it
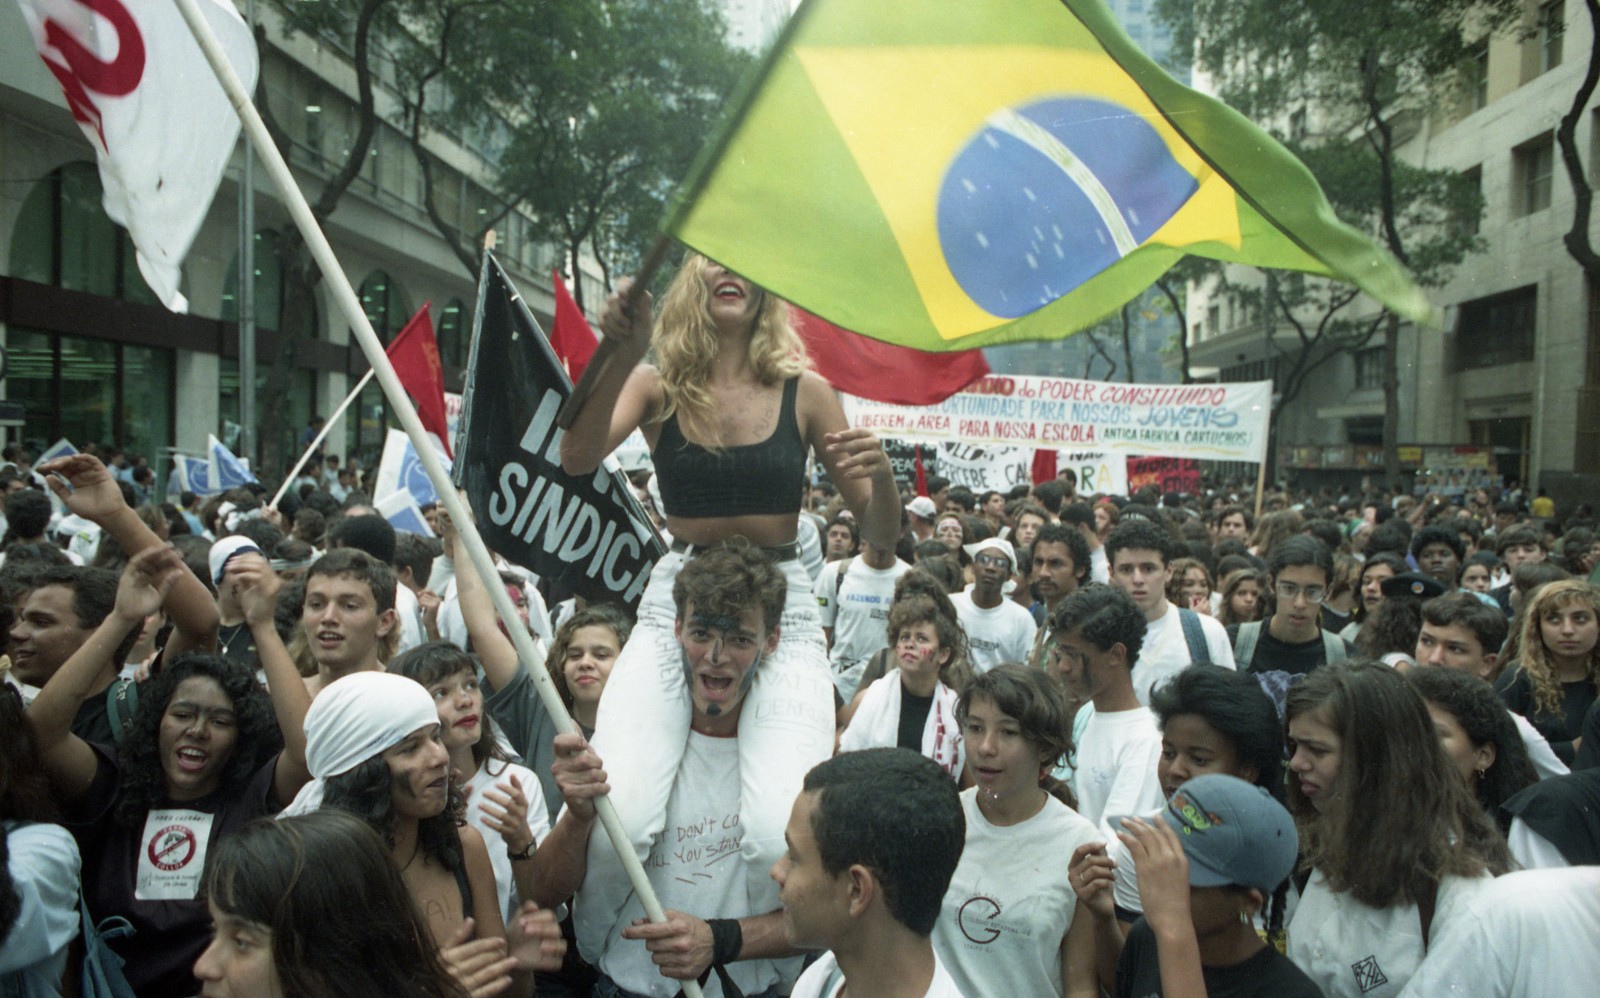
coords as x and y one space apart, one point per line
721 625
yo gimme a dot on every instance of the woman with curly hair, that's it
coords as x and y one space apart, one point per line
206 752
1557 672
1478 735
914 706
1388 829
376 749
281 896
1190 585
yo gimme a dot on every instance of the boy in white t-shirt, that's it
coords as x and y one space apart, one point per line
998 629
1098 632
873 840
853 599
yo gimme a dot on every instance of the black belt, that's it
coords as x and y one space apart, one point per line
777 552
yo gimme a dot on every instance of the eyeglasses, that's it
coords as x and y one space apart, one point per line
992 561
1287 591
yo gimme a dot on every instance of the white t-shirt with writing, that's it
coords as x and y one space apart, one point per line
858 613
1001 634
1009 904
1165 653
694 867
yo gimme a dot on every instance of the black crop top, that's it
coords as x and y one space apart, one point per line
750 479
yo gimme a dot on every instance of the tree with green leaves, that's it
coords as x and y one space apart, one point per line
1347 81
592 112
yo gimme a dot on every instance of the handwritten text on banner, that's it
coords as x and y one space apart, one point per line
1214 422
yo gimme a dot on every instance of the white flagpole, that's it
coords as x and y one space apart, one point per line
322 435
350 306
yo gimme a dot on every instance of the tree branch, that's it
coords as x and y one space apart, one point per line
1576 239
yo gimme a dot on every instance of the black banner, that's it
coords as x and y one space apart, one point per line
585 534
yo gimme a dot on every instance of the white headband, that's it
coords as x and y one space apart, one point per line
353 720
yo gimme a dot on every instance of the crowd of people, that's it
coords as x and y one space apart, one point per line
864 741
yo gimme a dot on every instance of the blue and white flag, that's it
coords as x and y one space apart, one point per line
403 514
228 471
61 448
400 470
194 475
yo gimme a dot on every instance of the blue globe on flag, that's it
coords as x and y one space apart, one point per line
1046 196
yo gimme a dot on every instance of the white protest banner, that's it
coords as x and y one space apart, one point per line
1097 471
1212 422
984 468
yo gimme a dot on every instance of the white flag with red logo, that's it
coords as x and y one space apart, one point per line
162 128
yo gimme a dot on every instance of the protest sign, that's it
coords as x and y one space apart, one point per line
1097 471
1169 474
1213 422
584 533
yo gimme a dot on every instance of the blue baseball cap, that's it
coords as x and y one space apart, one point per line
1233 833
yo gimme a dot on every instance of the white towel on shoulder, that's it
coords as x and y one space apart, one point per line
876 724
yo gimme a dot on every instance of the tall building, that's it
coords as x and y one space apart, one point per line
1512 383
93 358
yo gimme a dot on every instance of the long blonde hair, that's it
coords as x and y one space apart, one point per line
685 346
1534 658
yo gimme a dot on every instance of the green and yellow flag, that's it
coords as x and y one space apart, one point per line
948 174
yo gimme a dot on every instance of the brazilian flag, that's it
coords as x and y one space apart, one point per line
949 174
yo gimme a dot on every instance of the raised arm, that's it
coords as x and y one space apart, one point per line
855 461
258 587
94 495
495 651
70 761
562 860
625 392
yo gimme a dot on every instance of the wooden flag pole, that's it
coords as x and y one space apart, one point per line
605 351
350 306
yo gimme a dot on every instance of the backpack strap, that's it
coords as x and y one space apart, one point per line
122 699
1244 648
1195 637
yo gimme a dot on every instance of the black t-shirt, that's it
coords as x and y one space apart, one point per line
237 643
1268 974
1272 655
913 719
92 722
169 935
1559 729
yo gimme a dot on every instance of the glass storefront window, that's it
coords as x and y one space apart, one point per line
147 392
30 379
88 386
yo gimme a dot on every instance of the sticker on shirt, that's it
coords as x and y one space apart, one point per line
172 855
1368 974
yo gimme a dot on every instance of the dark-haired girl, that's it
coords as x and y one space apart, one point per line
1017 730
204 755
375 745
284 897
1388 828
1213 720
1478 735
504 801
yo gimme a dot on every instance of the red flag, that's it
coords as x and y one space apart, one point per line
922 474
1044 466
572 339
884 372
415 356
